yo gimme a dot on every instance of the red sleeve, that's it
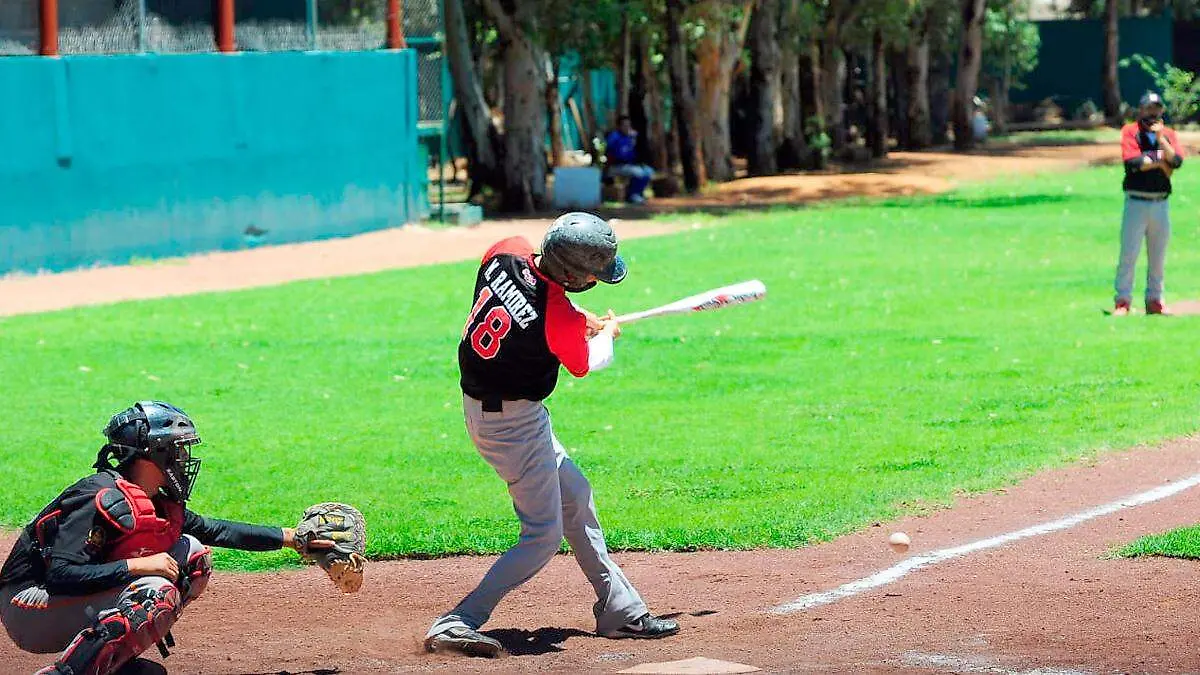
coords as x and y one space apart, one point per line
1129 143
1175 144
517 246
566 332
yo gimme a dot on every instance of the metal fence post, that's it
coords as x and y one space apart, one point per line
141 19
310 20
48 27
395 36
224 26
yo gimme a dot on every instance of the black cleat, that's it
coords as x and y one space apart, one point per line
646 627
465 640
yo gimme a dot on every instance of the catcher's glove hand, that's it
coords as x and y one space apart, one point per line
342 525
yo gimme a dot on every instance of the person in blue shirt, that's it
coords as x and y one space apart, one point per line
621 144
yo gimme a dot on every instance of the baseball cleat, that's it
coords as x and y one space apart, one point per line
1121 308
646 627
1155 307
465 640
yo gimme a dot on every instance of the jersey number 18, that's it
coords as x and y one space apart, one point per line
486 337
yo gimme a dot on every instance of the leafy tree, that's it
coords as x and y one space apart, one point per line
1010 51
1180 88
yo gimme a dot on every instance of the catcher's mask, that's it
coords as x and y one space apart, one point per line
159 432
579 246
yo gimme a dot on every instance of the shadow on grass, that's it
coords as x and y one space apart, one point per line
995 202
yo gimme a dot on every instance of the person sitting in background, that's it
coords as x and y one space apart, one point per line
621 144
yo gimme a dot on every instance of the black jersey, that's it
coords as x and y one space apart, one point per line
69 559
521 327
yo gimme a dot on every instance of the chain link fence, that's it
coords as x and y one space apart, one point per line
423 30
18 28
182 26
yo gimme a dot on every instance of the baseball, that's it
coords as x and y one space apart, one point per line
899 542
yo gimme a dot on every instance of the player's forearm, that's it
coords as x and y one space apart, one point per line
64 577
229 534
600 351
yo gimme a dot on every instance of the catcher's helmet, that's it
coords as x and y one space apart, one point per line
578 246
159 432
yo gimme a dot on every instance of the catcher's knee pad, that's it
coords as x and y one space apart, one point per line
120 634
195 568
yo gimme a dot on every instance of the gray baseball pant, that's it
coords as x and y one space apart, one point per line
42 623
552 499
1147 220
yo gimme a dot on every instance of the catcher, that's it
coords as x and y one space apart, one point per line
105 570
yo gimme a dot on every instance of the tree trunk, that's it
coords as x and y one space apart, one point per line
558 149
814 101
764 87
833 83
589 116
524 108
965 86
657 128
898 95
1112 84
681 95
877 131
939 97
792 148
717 54
1000 104
481 140
920 131
626 73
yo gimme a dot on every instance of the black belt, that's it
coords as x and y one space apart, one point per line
492 404
1149 199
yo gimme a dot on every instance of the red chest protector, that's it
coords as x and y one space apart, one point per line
142 531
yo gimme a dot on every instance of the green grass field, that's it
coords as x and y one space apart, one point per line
1181 543
907 351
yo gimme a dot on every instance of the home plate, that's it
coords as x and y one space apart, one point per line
697 665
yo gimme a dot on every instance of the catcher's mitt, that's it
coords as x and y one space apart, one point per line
343 525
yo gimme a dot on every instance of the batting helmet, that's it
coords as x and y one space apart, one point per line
579 246
159 432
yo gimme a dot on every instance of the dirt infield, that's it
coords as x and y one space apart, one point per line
1048 604
901 174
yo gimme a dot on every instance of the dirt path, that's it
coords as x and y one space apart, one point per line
901 174
1052 602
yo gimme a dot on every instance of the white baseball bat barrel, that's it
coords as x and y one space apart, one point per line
746 291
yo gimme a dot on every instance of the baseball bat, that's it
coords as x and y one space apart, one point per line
747 291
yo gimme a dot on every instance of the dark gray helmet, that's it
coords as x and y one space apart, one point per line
159 432
578 246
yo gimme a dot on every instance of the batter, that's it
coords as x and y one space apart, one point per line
520 329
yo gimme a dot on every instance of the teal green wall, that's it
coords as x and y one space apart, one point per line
108 158
1071 59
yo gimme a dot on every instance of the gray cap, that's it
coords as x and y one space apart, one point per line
1150 98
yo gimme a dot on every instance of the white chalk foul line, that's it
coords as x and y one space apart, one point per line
899 570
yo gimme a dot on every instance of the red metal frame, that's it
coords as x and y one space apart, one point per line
223 26
48 27
395 36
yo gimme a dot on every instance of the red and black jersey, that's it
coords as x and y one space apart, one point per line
521 327
1136 145
73 547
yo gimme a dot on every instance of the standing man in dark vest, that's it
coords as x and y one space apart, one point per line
1151 153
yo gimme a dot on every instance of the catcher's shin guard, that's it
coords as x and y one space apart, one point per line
121 634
